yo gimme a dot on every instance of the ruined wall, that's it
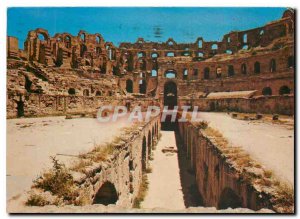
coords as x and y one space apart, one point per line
220 182
118 176
283 104
32 105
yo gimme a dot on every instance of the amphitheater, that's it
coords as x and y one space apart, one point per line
238 159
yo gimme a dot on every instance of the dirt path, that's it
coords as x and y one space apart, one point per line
171 186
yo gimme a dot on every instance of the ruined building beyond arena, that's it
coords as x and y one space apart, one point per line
248 71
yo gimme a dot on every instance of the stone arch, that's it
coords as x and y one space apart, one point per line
86 92
71 91
291 62
144 152
228 199
98 38
82 36
83 49
170 54
154 55
244 69
149 144
141 54
170 73
142 64
230 70
185 74
214 46
170 94
67 41
272 65
284 90
206 73
42 34
142 86
129 86
256 67
98 93
154 73
267 91
107 194
20 108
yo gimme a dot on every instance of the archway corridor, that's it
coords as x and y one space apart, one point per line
172 184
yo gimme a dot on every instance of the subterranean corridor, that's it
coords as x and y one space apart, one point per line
106 195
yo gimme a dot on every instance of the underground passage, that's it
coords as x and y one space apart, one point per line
106 195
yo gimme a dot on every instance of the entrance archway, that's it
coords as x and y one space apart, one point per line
170 94
129 86
20 108
229 199
106 195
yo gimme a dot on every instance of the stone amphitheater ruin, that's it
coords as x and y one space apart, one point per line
249 72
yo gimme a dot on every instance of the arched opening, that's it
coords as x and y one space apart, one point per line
230 70
200 42
20 108
71 91
42 37
244 69
68 42
149 144
170 54
219 72
106 195
206 73
98 39
272 65
185 74
228 51
267 91
245 38
229 199
214 46
142 86
170 94
200 54
98 93
291 62
28 84
98 50
82 37
140 54
154 55
144 158
83 49
256 67
284 90
129 86
154 73
170 74
86 92
142 64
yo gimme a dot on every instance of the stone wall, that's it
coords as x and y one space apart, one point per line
32 105
283 104
221 183
119 174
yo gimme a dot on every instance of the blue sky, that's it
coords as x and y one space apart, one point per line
127 24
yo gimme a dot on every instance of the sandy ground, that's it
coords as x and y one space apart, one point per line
270 144
31 141
170 183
